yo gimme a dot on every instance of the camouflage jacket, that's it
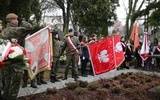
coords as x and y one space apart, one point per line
56 48
68 48
17 32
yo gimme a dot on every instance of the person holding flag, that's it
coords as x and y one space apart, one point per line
149 60
137 56
128 54
123 65
72 47
56 57
16 29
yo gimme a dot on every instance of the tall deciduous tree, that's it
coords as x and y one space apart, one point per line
20 7
95 15
130 9
153 13
65 6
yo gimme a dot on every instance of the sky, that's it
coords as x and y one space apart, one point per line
121 10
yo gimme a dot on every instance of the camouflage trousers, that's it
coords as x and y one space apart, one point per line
72 58
13 75
55 67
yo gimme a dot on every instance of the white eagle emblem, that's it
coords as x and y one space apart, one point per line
118 47
103 56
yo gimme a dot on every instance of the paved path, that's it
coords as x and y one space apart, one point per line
42 88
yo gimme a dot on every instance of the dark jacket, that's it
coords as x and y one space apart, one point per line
56 48
85 52
66 46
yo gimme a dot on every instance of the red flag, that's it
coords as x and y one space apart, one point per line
38 49
119 55
135 35
144 49
102 56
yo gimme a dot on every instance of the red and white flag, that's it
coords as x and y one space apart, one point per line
135 35
118 51
144 49
102 56
38 49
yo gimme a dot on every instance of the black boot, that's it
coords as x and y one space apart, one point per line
75 78
55 79
38 81
65 77
24 82
33 85
43 82
25 79
24 85
52 79
1 97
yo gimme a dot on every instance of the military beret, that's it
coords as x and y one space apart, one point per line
70 30
54 32
11 16
0 21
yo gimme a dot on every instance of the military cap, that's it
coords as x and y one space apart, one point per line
71 30
11 16
0 21
54 32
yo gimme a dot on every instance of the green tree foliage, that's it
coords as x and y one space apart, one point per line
36 10
153 12
133 6
95 15
25 8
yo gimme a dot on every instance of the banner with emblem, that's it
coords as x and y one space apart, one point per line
102 56
118 50
38 50
144 52
106 55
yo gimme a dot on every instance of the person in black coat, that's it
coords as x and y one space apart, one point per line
123 65
137 55
84 56
149 60
157 51
128 54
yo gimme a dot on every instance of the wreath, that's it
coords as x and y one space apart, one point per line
13 54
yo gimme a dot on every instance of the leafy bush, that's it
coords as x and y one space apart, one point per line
72 85
83 83
133 77
93 86
128 92
148 80
80 90
115 90
102 91
52 90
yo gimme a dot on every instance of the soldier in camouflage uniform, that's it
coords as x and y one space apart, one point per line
73 56
1 26
40 78
56 56
1 69
13 73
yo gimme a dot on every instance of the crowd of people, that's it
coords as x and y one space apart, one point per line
133 54
75 49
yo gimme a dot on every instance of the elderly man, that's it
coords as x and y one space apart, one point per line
13 72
